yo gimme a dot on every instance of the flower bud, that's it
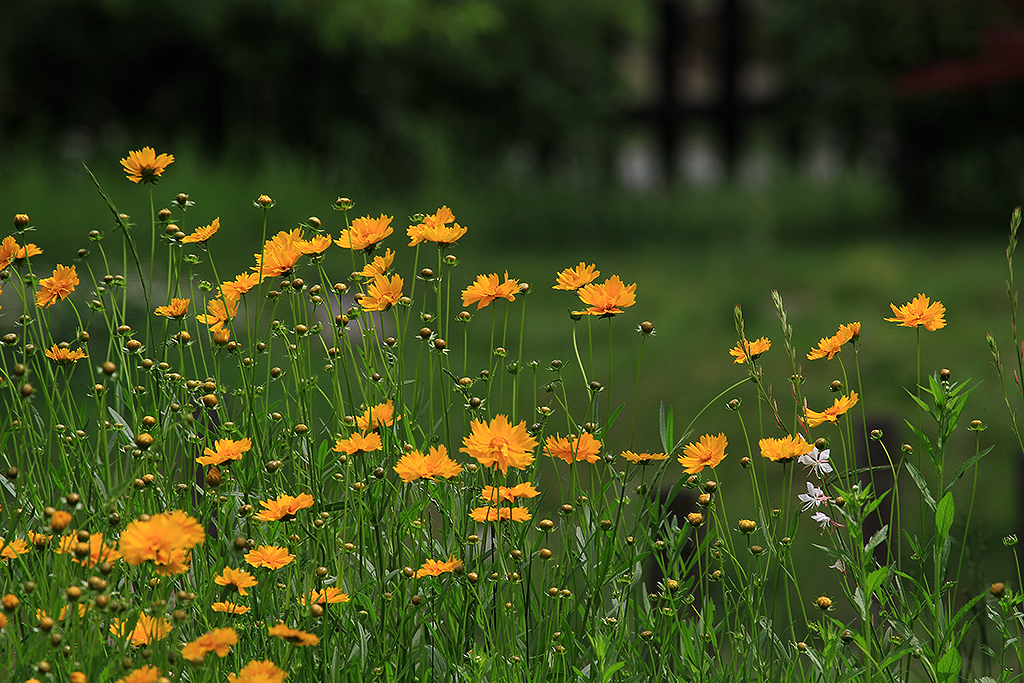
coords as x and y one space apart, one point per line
823 602
998 589
747 526
20 221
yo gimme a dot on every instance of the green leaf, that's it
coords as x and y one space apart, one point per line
944 515
873 542
922 485
949 666
875 580
665 427
962 470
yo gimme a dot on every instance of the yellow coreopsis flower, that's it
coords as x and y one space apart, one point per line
365 233
435 568
382 293
499 444
202 234
51 289
284 507
176 309
144 166
436 463
749 349
224 450
584 447
708 452
608 298
64 356
784 449
486 289
919 312
572 279
218 314
832 414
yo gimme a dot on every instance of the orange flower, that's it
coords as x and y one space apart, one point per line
59 520
784 449
27 251
162 538
375 416
508 494
284 508
850 332
202 234
365 233
379 265
493 514
237 578
414 465
65 356
8 251
269 556
62 283
583 447
435 568
487 289
499 444
218 640
144 674
316 245
259 672
12 549
919 312
98 550
839 407
435 228
329 595
38 540
707 453
572 279
217 314
176 309
357 444
280 254
234 289
609 297
229 608
382 293
147 629
830 346
225 449
293 636
144 166
750 349
643 457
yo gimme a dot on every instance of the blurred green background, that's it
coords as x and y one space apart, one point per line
850 154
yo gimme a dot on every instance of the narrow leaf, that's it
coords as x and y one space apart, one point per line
922 485
944 515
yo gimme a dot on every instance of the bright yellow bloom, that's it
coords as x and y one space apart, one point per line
239 579
493 514
224 450
572 279
379 265
38 540
609 297
176 309
229 608
234 289
435 568
144 674
830 346
98 550
292 635
643 457
204 233
162 538
259 672
750 349
508 494
365 233
487 289
784 449
919 312
382 293
144 166
8 251
436 463
218 640
357 444
59 520
280 254
318 244
839 407
12 549
499 444
376 416
217 314
850 332
284 508
27 251
62 283
147 629
709 452
329 595
269 556
64 356
435 228
584 447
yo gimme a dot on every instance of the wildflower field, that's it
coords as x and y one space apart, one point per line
345 463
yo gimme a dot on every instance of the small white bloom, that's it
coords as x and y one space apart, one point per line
838 564
813 498
817 461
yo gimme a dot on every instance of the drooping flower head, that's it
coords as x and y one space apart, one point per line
508 494
296 637
708 452
144 166
284 508
493 514
435 568
218 314
365 233
749 349
238 579
919 312
579 448
609 297
382 293
358 443
51 289
176 309
436 463
63 356
379 265
832 413
201 234
499 444
643 457
234 289
486 289
571 279
785 448
224 450
218 640
828 347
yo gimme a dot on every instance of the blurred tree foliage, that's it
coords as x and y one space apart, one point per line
930 90
403 88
